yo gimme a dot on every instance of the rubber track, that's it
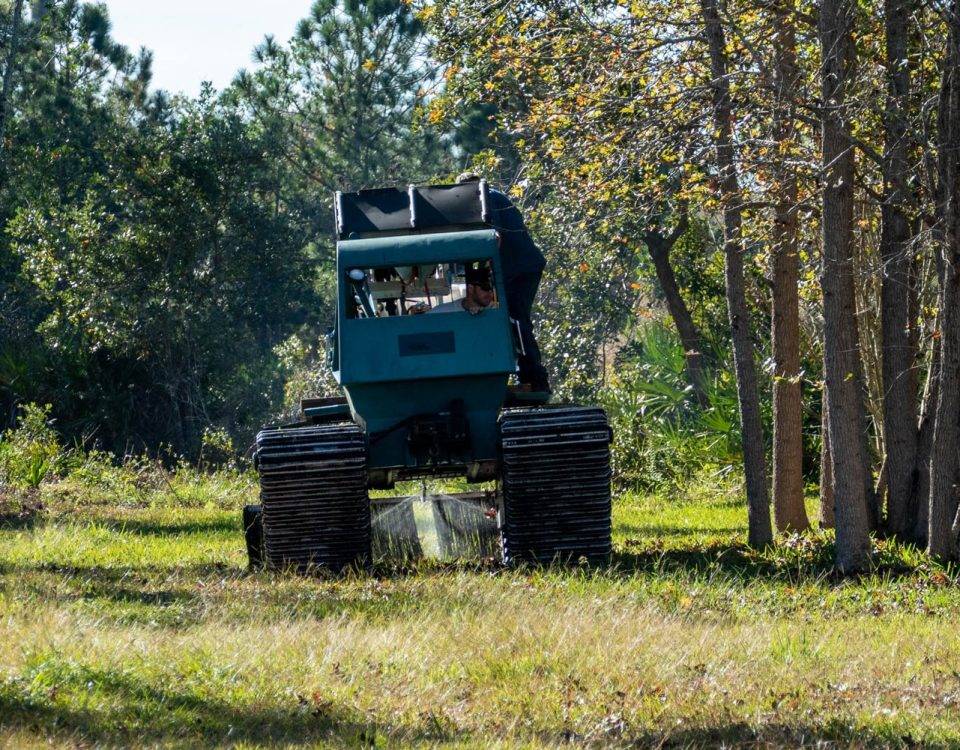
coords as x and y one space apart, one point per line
556 484
313 489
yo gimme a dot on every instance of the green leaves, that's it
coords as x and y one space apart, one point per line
163 271
661 433
341 96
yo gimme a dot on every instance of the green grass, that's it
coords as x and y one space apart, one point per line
127 618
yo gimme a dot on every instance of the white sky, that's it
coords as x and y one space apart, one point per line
201 40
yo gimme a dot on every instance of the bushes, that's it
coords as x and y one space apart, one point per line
31 457
31 452
661 435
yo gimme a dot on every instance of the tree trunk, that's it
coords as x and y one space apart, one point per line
826 468
899 355
760 532
659 247
15 23
788 508
921 471
843 369
943 453
944 461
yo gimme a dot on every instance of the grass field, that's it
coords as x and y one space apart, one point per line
127 618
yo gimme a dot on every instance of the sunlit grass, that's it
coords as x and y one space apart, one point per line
131 619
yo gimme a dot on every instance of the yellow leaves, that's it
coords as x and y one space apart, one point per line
636 286
435 112
645 313
369 65
426 13
556 148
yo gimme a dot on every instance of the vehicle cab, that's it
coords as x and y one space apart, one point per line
426 387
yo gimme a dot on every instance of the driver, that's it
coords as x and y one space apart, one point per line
523 265
479 293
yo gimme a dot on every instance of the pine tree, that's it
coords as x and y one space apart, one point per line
345 92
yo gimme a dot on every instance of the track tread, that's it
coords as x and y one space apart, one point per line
556 484
313 489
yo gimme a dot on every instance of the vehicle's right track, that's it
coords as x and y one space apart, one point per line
556 484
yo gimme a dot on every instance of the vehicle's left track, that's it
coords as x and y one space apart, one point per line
313 491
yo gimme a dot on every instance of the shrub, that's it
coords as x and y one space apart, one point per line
31 453
661 434
216 450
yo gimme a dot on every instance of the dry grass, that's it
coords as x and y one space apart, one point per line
134 623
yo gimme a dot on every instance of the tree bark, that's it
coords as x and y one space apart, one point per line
944 462
826 468
15 23
659 247
789 512
898 351
759 530
844 376
921 471
943 453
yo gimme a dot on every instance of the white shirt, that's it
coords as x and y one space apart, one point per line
448 307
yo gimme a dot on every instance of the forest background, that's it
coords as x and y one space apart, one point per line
751 212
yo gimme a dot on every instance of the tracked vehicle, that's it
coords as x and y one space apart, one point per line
427 395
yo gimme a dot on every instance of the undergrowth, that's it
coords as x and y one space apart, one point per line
661 433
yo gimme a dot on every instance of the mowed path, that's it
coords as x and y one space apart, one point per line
134 622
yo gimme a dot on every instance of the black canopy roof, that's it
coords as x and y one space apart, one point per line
417 208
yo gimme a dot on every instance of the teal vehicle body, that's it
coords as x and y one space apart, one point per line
445 369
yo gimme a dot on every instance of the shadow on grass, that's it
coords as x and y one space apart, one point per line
17 521
641 550
27 515
659 531
794 560
141 572
176 597
153 528
679 500
19 510
741 734
143 594
139 713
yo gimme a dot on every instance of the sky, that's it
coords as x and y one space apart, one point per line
201 40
